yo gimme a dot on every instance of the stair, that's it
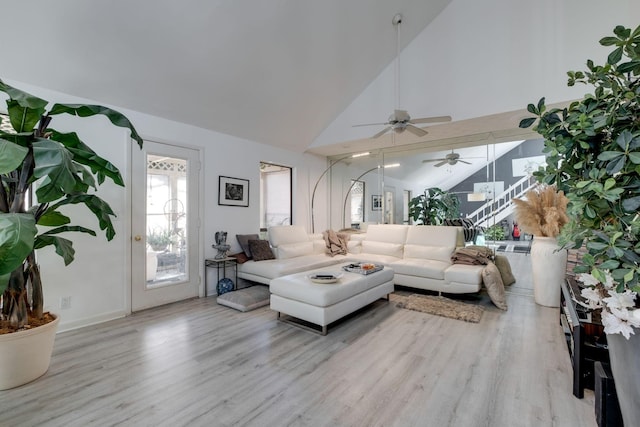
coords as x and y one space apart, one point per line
494 211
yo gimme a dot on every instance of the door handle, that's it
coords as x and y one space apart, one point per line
137 238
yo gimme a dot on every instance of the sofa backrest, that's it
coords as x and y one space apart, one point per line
385 239
430 242
290 241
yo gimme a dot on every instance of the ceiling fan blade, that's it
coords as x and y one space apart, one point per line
382 132
444 162
434 160
370 124
462 161
438 119
416 130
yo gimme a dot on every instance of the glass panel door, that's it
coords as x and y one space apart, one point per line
166 220
165 225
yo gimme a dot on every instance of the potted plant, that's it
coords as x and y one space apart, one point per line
593 149
63 170
543 213
434 206
160 239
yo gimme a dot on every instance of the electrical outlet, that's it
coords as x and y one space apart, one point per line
65 303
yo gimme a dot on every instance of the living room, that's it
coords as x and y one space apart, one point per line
519 53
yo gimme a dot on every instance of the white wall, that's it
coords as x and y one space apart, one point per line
98 280
488 57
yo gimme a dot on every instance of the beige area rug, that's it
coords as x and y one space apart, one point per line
439 306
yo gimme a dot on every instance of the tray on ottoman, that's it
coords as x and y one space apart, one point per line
363 267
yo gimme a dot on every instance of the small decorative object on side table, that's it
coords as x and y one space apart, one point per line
221 264
221 245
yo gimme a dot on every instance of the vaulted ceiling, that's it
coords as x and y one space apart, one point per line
276 72
297 74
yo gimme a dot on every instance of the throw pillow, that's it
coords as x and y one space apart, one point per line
240 257
243 240
502 262
495 288
261 250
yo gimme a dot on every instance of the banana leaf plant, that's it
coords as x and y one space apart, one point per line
65 171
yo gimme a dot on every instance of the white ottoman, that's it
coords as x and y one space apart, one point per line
321 304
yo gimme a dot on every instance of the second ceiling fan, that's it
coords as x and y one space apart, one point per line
400 120
450 159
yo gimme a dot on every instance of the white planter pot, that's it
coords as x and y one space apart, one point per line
25 355
152 265
625 366
549 265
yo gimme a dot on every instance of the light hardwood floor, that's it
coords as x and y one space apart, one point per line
200 364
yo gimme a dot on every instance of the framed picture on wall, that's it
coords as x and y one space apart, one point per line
233 191
376 202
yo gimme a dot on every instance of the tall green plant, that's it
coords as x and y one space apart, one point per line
434 206
593 155
65 170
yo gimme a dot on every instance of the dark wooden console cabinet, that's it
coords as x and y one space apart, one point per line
586 340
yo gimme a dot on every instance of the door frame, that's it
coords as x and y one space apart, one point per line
129 217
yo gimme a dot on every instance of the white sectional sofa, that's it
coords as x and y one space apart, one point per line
419 255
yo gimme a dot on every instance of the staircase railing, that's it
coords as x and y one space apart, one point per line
501 206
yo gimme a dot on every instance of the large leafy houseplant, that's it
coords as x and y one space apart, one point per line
434 206
593 155
593 149
64 171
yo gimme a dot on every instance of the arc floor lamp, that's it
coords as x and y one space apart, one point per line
313 194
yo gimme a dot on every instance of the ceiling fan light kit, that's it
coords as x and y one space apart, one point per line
400 120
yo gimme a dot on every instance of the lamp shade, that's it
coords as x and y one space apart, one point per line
476 197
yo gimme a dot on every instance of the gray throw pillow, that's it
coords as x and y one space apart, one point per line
243 240
261 250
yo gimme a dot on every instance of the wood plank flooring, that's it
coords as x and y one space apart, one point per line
197 363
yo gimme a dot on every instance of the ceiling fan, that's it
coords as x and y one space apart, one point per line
400 120
450 159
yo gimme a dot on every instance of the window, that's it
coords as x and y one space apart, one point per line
275 195
357 202
406 197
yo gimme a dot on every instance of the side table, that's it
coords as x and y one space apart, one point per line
220 264
584 333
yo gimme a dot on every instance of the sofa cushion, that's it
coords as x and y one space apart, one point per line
243 241
283 234
389 233
373 258
428 268
260 250
463 273
282 267
432 235
382 248
437 253
292 250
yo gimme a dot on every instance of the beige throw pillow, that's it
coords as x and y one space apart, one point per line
495 287
502 262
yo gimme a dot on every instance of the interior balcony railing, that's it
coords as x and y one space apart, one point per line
494 211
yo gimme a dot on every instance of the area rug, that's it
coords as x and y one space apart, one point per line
439 306
513 248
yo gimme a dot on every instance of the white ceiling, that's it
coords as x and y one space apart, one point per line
276 72
297 74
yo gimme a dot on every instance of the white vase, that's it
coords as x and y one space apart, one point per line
549 265
625 366
25 355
